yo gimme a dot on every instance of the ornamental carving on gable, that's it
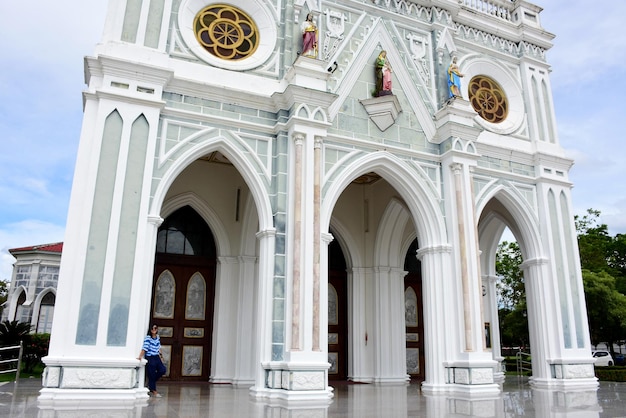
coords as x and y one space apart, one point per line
418 47
334 34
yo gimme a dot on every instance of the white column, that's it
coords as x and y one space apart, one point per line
246 346
390 338
436 270
224 320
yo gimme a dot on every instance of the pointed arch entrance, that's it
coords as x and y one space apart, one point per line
414 314
337 313
183 294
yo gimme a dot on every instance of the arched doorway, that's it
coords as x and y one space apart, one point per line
337 313
183 294
413 314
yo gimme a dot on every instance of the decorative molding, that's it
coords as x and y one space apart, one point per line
98 378
471 375
383 110
574 371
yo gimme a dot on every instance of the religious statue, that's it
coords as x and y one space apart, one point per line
454 80
309 37
383 75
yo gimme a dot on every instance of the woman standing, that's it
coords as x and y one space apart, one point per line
151 350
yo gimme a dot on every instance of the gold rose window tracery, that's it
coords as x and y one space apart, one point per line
226 32
488 99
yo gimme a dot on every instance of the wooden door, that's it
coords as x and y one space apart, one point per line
337 313
413 313
183 298
337 325
414 326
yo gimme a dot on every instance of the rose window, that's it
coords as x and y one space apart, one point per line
226 32
488 99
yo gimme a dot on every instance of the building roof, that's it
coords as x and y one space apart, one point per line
56 247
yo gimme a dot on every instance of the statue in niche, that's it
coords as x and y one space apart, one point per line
309 37
454 80
383 75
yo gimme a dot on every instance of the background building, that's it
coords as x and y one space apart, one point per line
289 219
33 287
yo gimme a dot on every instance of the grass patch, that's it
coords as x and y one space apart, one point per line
35 373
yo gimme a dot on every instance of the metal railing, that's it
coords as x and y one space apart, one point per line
10 360
523 363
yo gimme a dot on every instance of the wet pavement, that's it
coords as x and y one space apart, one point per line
517 399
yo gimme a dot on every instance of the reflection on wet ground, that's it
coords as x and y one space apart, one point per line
351 400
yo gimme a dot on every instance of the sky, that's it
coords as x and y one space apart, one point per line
42 79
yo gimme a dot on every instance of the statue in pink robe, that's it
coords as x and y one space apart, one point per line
309 37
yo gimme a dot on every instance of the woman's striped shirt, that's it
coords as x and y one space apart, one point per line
151 346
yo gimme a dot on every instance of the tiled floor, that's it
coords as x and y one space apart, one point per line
204 400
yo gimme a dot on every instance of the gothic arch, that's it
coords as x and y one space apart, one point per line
515 212
13 299
388 248
347 243
222 240
413 189
256 184
37 302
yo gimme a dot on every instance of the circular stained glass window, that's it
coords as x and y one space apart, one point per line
488 99
226 32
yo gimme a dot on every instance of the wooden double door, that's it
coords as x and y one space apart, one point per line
414 325
182 306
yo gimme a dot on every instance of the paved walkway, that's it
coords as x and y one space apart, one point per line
351 400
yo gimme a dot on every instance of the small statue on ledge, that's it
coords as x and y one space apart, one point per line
309 37
383 75
454 80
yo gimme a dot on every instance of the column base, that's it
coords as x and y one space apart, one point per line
568 376
295 382
96 399
89 379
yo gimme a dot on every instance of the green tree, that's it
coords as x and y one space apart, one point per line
617 261
510 287
594 241
603 261
12 332
606 308
511 296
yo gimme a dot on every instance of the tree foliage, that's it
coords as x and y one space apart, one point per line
511 284
12 332
603 260
511 296
606 308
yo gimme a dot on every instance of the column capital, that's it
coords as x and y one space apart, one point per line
435 249
298 137
534 262
267 233
155 220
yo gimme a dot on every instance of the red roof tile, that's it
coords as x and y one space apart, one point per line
56 247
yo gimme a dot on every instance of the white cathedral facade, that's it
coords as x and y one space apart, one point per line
286 224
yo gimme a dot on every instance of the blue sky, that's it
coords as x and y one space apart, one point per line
41 80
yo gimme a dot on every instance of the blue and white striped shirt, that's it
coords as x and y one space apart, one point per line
151 346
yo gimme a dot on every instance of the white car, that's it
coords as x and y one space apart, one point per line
603 358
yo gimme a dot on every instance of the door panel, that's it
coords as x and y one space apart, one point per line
414 325
337 325
183 298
